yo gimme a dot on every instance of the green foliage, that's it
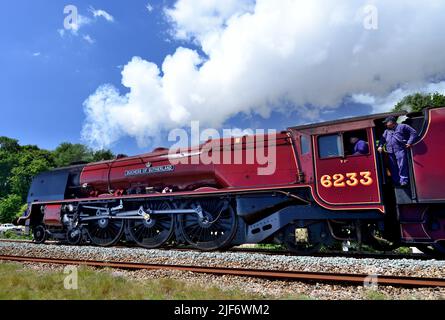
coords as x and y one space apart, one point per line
419 101
7 162
102 155
15 235
403 250
9 145
19 164
375 295
22 209
68 153
9 207
30 163
270 246
438 100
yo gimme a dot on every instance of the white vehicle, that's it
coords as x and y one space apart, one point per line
7 227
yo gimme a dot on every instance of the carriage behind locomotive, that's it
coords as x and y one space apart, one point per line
320 193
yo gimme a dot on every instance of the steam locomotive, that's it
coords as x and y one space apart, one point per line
319 193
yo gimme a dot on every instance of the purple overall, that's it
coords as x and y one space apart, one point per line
361 147
396 140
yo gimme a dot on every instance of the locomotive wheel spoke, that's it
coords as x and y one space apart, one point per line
105 234
74 236
155 231
39 234
215 231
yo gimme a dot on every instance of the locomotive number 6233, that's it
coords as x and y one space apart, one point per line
351 179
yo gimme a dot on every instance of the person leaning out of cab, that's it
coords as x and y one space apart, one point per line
398 138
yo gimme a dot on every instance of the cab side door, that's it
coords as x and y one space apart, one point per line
343 176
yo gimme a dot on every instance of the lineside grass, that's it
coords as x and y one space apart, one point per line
23 283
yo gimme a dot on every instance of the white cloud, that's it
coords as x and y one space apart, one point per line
196 18
386 102
149 7
101 13
88 39
36 54
259 57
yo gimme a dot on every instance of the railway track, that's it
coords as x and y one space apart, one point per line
351 254
354 279
358 255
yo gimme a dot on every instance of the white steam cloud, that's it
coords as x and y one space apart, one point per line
264 55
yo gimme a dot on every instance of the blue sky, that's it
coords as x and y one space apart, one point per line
45 78
43 94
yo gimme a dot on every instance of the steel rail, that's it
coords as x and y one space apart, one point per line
356 279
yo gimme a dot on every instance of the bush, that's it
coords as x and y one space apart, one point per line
9 208
403 250
22 209
15 235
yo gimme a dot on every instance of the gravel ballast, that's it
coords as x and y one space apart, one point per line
397 267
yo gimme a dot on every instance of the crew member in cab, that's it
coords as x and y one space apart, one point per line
360 147
398 139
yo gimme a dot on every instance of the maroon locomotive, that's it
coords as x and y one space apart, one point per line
320 192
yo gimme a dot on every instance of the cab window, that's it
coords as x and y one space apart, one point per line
330 146
356 143
304 144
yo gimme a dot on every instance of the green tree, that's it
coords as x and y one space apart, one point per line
9 151
419 101
9 145
102 155
438 100
9 207
19 164
7 162
31 162
68 153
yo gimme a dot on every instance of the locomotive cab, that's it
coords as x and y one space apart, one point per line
352 181
341 178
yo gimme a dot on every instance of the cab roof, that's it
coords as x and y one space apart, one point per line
352 123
